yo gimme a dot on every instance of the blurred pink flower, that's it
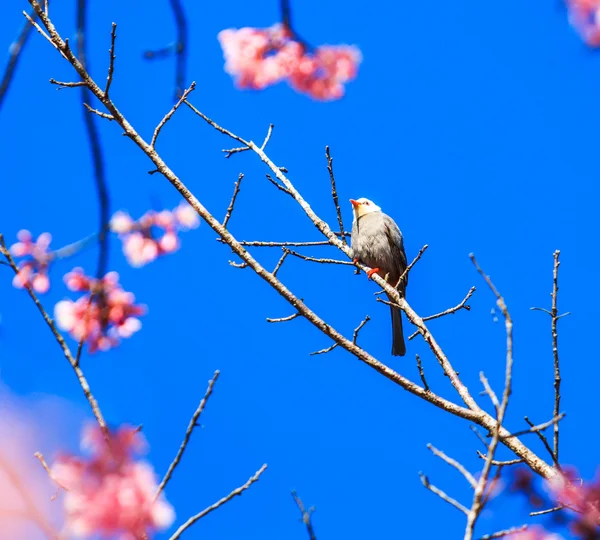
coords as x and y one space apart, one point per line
259 57
33 272
583 497
103 315
534 533
141 243
110 493
584 16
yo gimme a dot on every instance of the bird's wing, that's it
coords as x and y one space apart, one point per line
396 243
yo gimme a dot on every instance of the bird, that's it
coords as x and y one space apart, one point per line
377 242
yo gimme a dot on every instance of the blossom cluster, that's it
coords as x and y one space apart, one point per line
33 271
103 315
584 16
154 234
260 57
110 493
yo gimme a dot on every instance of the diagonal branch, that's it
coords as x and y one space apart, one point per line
188 433
63 345
219 503
306 514
334 194
471 412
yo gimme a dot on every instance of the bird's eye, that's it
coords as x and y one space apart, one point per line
367 203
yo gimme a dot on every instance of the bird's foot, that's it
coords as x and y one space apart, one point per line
371 272
354 261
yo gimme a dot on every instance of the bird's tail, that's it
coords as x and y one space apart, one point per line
398 345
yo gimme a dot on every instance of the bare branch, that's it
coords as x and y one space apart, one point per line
313 259
505 532
63 345
16 49
221 502
358 328
462 305
59 486
422 373
236 190
442 495
259 243
280 262
284 319
500 463
489 391
334 194
536 429
232 151
188 433
171 113
324 351
68 84
305 516
479 498
471 411
277 184
548 511
268 137
557 378
409 267
108 117
111 62
453 463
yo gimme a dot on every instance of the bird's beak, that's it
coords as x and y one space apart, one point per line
355 204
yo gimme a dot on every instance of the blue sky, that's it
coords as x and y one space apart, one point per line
473 125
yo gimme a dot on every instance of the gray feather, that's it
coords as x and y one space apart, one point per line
377 242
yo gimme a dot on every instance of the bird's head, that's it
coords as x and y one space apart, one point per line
363 206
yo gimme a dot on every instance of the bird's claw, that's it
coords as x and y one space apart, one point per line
372 271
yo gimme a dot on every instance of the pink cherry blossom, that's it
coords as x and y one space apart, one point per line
103 315
33 271
154 234
322 75
534 533
109 493
584 16
260 57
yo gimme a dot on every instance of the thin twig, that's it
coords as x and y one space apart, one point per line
48 470
188 433
62 84
548 511
313 259
168 116
505 532
500 463
107 116
220 502
442 495
16 49
259 243
453 463
284 319
334 194
236 190
268 137
305 515
276 184
409 267
534 428
422 373
324 351
358 328
557 378
280 262
111 62
489 391
63 345
479 498
458 307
